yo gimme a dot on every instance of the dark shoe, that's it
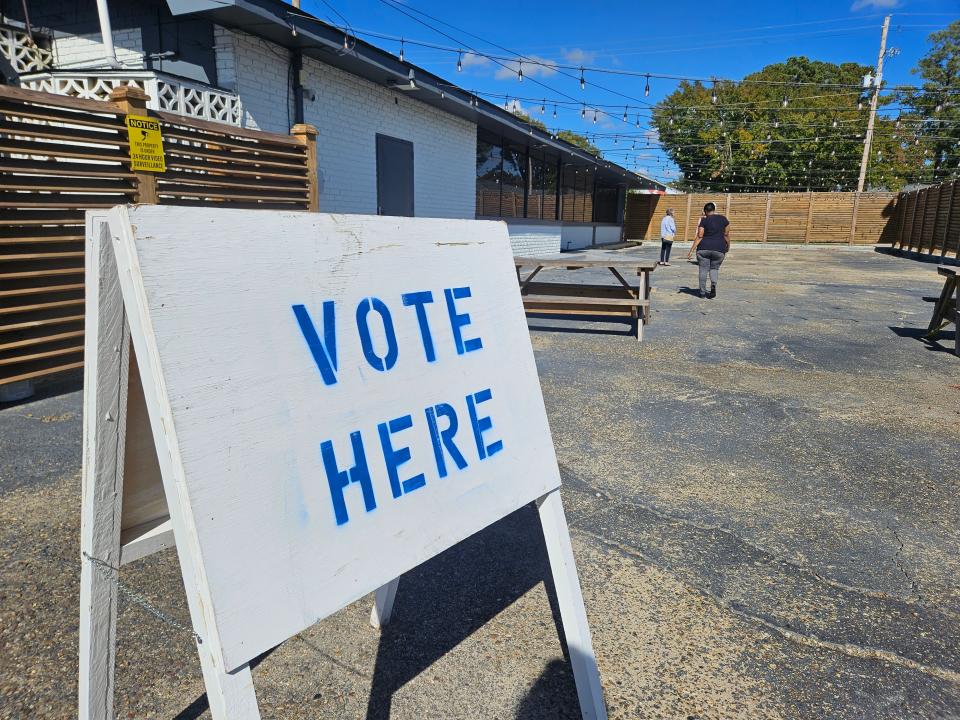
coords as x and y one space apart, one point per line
703 295
713 292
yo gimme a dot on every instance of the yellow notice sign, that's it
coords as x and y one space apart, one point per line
146 144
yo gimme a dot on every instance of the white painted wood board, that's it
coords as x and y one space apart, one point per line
238 408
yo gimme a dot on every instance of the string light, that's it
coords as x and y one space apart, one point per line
543 106
646 88
625 115
595 116
834 121
346 42
583 83
786 101
583 112
554 111
401 49
520 72
638 119
713 93
459 60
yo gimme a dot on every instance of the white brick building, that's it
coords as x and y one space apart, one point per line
393 139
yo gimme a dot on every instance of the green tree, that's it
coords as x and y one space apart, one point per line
568 135
932 124
749 140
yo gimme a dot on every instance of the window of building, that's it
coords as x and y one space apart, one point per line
488 178
512 182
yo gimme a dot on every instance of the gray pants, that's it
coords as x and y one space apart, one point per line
709 261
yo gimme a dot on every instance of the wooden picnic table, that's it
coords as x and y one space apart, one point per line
947 307
620 300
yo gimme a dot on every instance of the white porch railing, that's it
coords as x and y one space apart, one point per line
166 92
23 55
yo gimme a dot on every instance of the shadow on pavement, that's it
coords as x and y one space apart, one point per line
631 330
943 342
444 601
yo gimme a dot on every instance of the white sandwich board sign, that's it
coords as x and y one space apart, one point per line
306 406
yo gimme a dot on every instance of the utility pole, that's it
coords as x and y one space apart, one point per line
873 104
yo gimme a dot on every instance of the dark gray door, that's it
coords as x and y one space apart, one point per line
394 176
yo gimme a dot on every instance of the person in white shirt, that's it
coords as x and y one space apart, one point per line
668 231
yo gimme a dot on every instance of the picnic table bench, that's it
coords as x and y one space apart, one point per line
622 300
947 306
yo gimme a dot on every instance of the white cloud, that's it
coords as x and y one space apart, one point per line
470 60
874 5
578 56
541 67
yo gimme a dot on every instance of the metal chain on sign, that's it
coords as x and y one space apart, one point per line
108 571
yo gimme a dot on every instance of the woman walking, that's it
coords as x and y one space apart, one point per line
711 246
668 231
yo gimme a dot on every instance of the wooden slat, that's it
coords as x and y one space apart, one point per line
68 169
35 97
53 149
23 257
18 292
51 115
44 322
230 195
186 151
60 200
179 163
41 307
42 355
56 184
211 180
224 141
40 217
29 342
40 273
218 128
45 372
56 132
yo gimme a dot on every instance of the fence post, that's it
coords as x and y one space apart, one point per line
853 220
131 100
686 221
766 217
806 230
727 210
946 235
307 135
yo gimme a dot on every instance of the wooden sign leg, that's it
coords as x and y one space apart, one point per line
572 612
383 603
231 695
105 406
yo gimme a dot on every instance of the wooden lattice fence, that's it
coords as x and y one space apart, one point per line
61 156
851 218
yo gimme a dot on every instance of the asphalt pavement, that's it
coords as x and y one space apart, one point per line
763 498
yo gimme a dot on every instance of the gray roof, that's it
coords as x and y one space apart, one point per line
274 20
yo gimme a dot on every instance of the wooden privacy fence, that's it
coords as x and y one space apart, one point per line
928 220
60 156
852 218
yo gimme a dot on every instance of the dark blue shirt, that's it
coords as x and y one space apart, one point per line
713 226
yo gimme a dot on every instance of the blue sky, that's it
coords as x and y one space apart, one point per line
720 39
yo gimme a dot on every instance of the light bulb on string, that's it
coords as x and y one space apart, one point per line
583 112
671 121
713 93
459 60
554 111
583 83
646 88
346 42
506 103
939 106
594 116
860 104
834 122
638 119
786 101
625 114
520 72
543 106
401 49
776 123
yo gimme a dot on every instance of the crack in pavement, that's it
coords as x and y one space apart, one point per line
914 585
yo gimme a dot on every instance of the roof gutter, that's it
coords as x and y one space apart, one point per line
106 32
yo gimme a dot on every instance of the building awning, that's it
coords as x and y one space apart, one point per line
276 21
